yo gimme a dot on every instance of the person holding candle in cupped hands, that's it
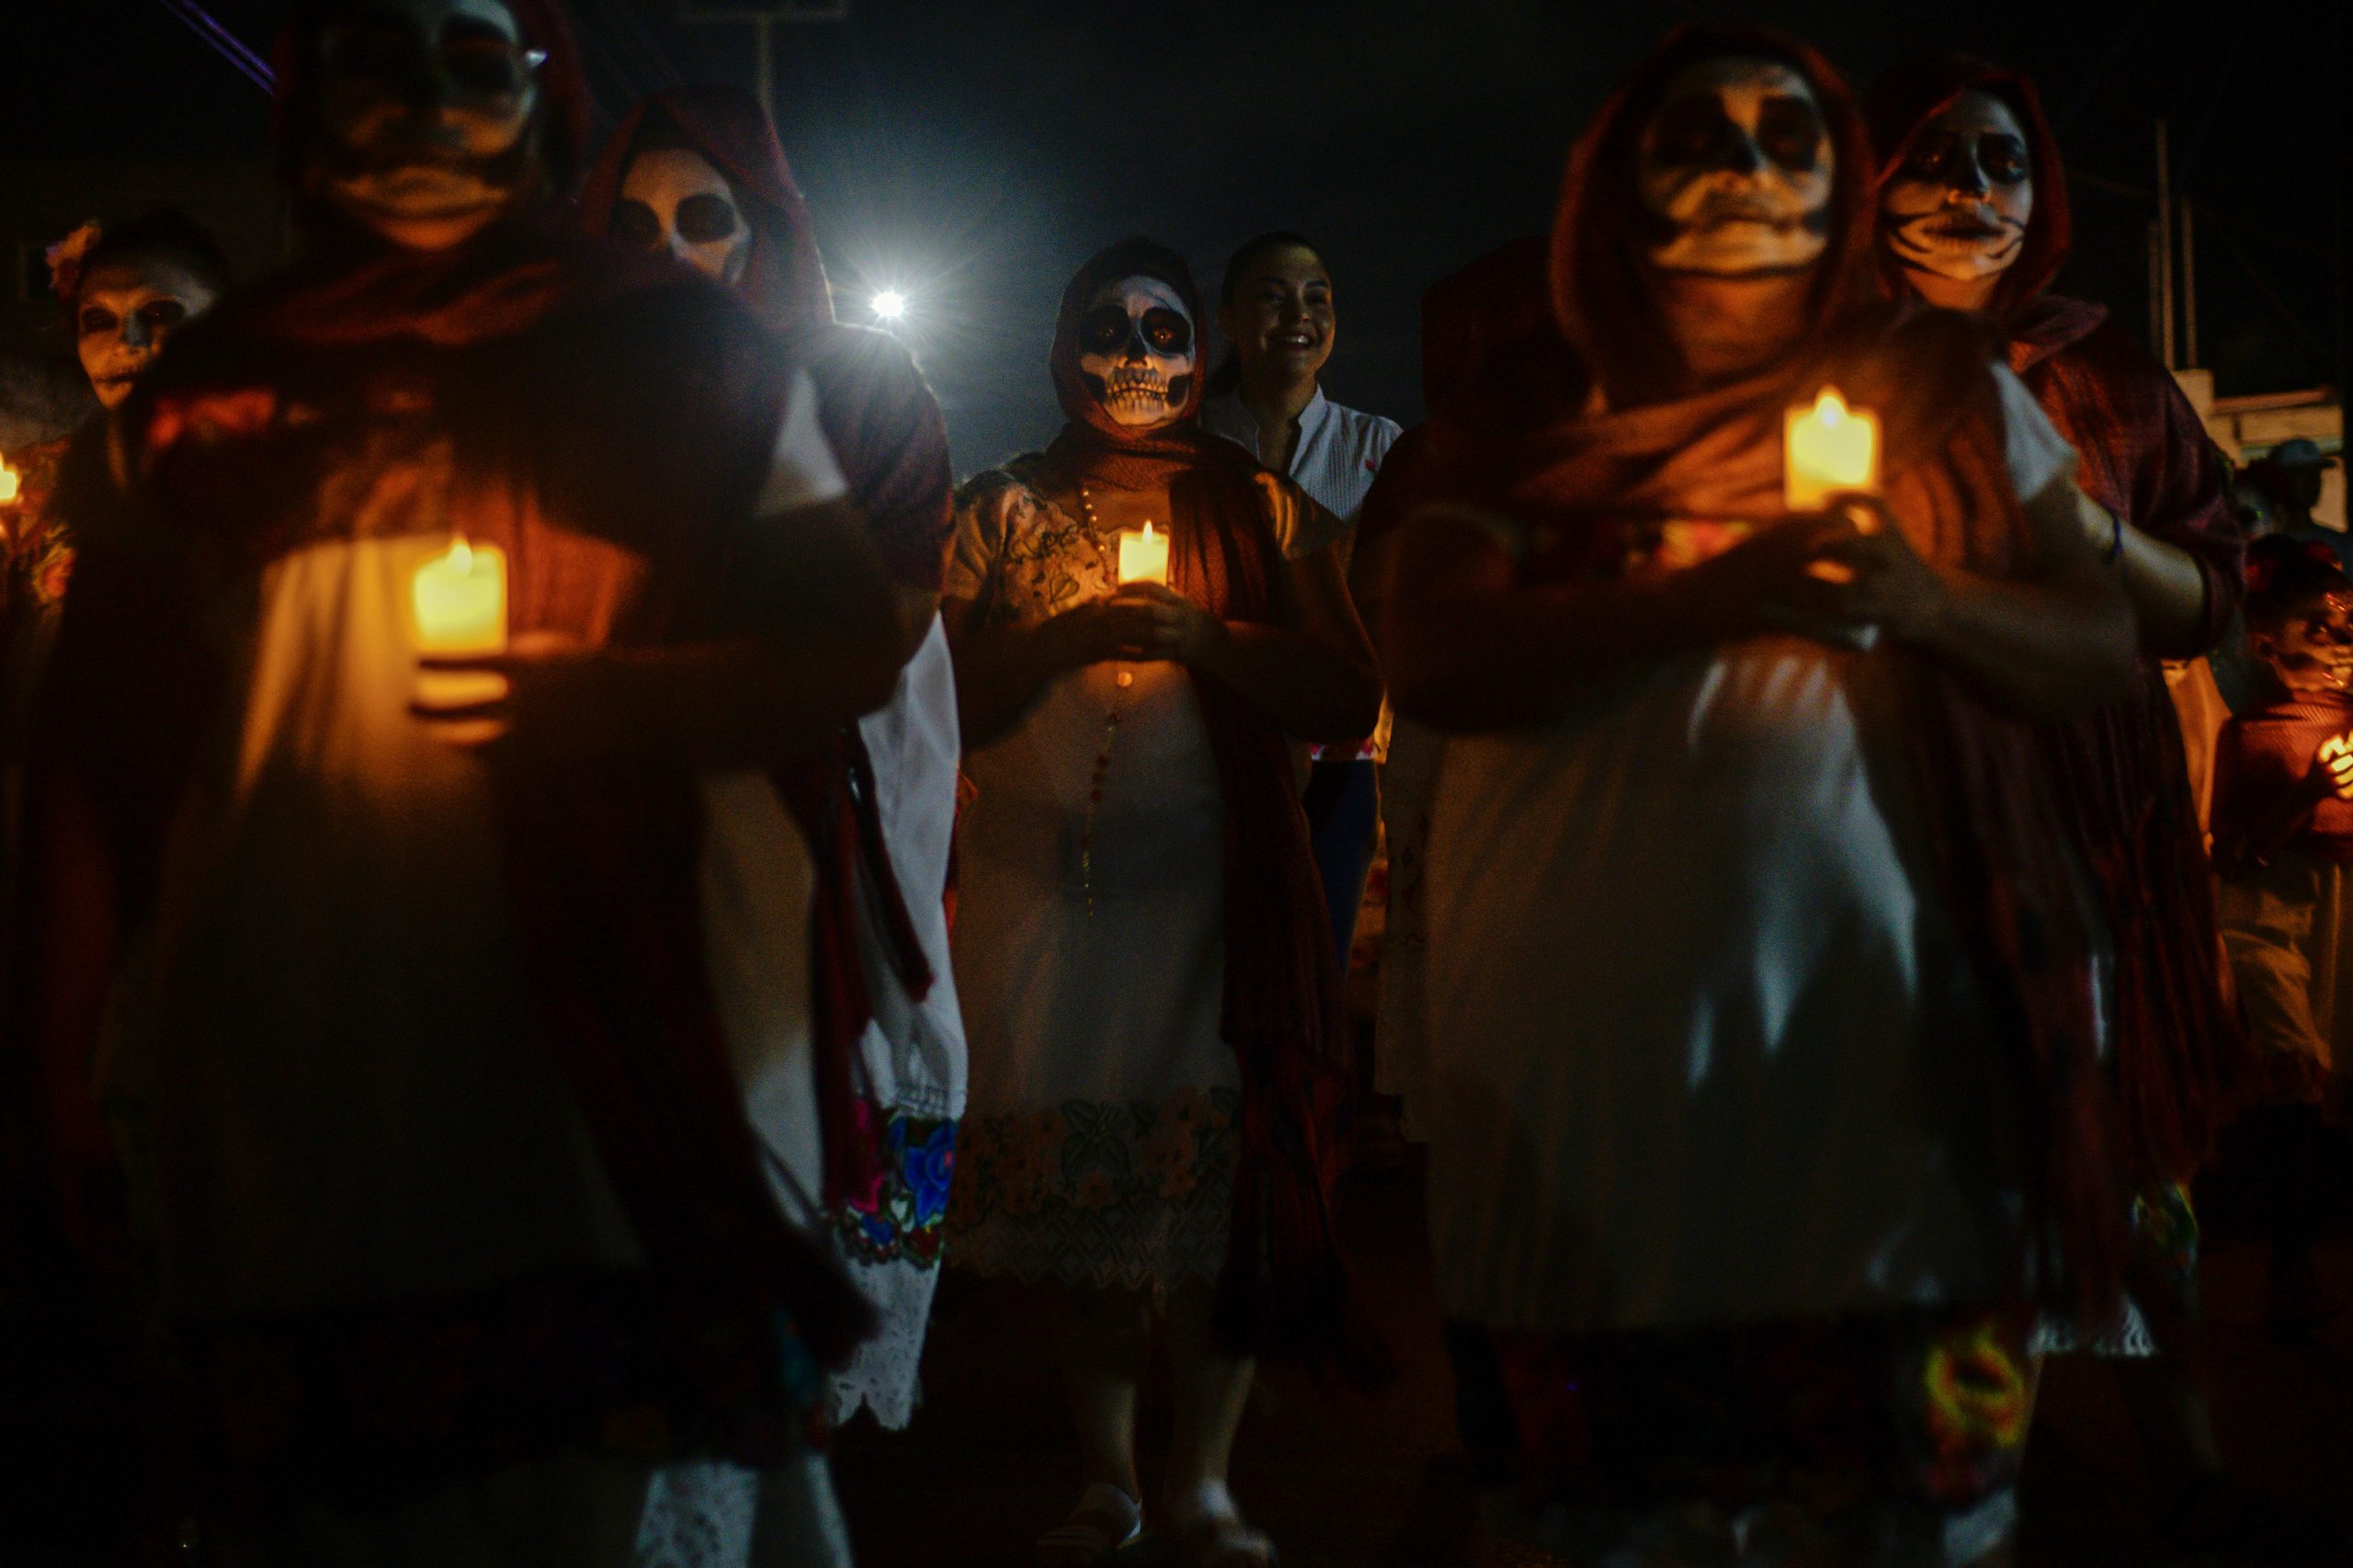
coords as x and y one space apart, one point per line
1769 1086
1159 1058
452 1073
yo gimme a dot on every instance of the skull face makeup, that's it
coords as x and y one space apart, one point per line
1136 352
427 108
1735 170
123 311
673 200
2311 648
1958 207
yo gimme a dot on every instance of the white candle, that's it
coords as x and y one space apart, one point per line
1829 448
459 601
1143 555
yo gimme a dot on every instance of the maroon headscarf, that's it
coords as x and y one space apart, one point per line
1589 475
879 414
1283 1291
564 108
1901 105
2182 1061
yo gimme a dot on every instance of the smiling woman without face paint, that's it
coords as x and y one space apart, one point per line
1973 215
1147 972
1276 310
469 1022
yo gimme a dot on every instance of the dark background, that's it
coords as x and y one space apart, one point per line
974 153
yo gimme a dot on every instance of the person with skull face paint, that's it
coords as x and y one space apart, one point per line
1973 215
458 1038
1158 1054
698 172
125 289
1767 1105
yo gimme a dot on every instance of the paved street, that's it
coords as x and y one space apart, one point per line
1341 1482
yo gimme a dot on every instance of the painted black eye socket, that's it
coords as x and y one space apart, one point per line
635 224
1167 331
1104 329
1995 157
1789 133
1694 133
96 319
391 54
2002 157
707 219
158 315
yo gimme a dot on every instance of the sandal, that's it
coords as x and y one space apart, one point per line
1105 1522
1216 1535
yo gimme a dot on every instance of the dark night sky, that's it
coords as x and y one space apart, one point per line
974 153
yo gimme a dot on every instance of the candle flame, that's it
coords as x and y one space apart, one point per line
461 555
1830 407
1147 530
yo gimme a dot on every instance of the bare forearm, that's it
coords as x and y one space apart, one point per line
746 703
1313 690
2167 588
2042 650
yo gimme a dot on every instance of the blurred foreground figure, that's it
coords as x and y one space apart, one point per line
1159 1059
1973 215
1768 1076
698 173
451 1020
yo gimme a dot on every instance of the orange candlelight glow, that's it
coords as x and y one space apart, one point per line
460 600
1829 448
1143 556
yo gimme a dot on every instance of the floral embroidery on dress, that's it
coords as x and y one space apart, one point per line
903 1211
1049 561
35 545
1127 1194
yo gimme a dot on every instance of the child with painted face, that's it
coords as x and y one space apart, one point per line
1147 967
2283 841
1731 1076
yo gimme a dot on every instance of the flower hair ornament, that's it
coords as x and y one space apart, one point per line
65 258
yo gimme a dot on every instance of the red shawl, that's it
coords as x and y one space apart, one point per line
885 429
1530 442
2182 1059
1283 1291
879 414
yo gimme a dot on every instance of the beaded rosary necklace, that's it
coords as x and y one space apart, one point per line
1123 680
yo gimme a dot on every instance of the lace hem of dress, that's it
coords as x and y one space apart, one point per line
713 1515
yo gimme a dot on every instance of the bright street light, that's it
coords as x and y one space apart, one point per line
889 304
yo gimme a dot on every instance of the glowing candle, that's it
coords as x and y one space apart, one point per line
8 483
1143 555
460 598
1829 448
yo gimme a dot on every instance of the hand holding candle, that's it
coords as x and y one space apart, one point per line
1143 555
460 600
